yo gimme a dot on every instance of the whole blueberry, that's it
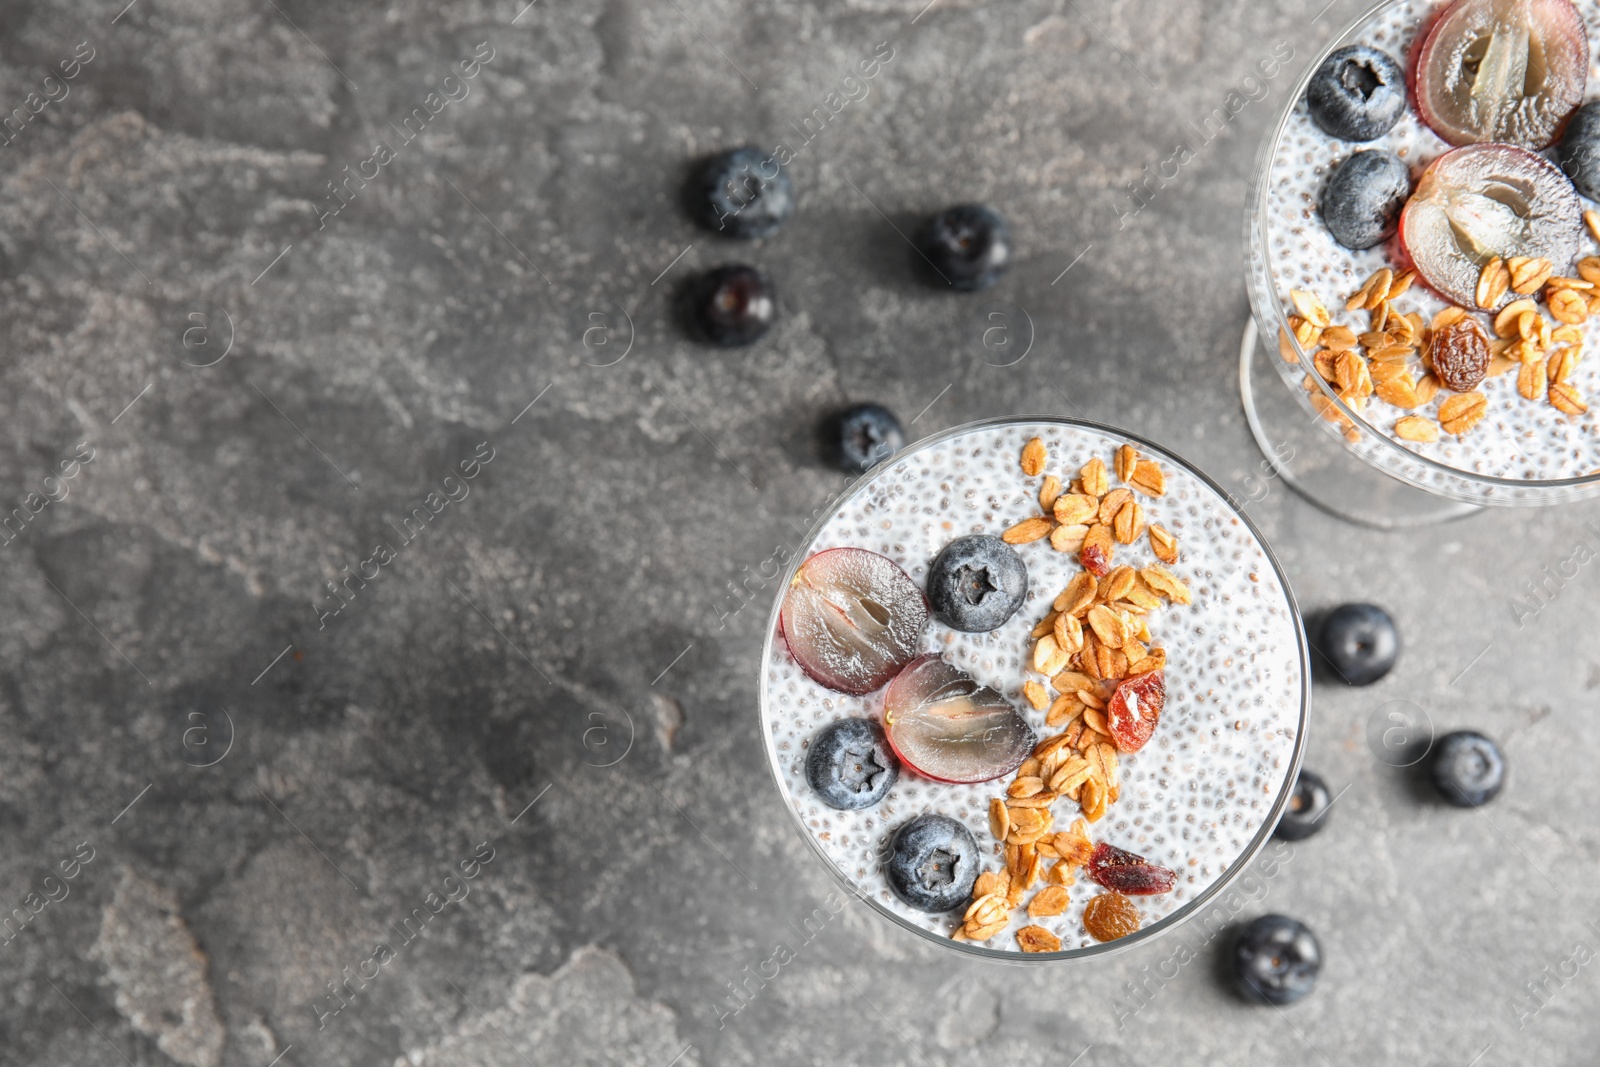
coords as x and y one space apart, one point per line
976 583
1468 769
731 305
849 765
1579 150
932 863
1275 960
865 435
1307 805
1361 205
1357 94
742 193
969 246
1360 642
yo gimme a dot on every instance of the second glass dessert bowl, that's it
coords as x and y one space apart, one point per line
1353 343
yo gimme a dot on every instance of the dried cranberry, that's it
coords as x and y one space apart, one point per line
1110 916
1095 555
1128 873
1135 708
1460 353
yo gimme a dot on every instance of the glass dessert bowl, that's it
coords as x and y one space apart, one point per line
1483 235
980 758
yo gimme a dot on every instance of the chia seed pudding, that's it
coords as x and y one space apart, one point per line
1199 797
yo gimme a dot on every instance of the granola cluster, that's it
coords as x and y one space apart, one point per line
1408 362
1088 516
1095 635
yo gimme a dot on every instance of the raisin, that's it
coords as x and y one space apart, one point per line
1460 354
1110 916
1128 873
1135 708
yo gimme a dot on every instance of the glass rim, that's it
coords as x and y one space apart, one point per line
1257 217
1145 933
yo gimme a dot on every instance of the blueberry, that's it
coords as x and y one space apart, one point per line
968 245
863 436
849 765
1579 151
1360 642
1361 205
742 193
1276 960
976 583
1307 805
932 863
1357 94
1468 769
731 305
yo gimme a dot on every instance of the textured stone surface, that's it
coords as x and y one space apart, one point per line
567 634
584 1013
158 972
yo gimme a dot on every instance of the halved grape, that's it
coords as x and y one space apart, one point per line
1482 201
1502 70
944 725
851 619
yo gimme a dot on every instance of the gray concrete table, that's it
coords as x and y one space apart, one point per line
278 358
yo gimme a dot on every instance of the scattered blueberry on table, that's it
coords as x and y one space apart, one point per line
865 435
969 245
742 193
1275 960
1307 805
1361 205
1360 642
731 306
1468 769
976 583
1579 151
849 765
1357 94
932 863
